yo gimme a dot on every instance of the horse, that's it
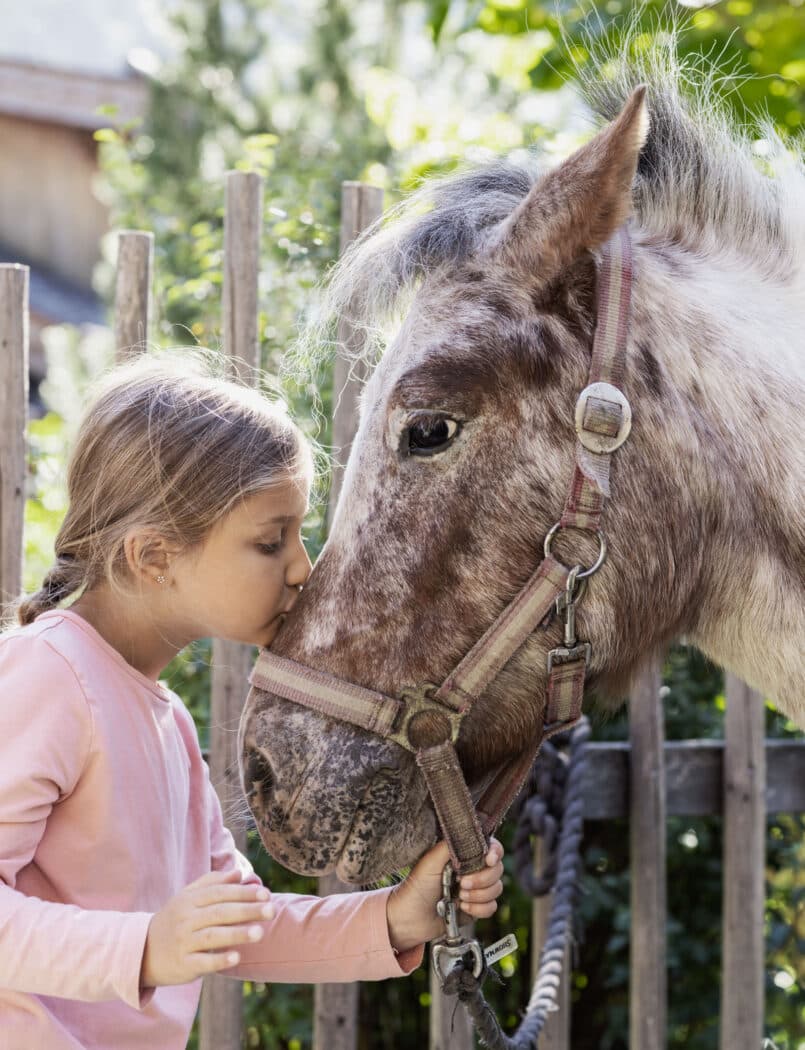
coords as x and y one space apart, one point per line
466 447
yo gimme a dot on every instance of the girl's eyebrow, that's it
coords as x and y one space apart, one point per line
282 520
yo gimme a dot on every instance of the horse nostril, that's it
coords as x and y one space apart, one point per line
259 774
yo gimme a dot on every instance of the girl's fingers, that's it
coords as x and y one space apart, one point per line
495 853
212 962
232 913
480 911
481 894
215 937
480 879
221 893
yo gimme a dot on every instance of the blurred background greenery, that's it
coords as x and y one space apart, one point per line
388 91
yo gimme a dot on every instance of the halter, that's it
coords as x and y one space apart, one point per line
426 719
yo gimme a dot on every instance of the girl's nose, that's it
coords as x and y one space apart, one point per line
299 568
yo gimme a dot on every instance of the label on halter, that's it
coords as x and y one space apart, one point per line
500 949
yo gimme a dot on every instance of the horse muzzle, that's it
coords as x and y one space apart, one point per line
327 797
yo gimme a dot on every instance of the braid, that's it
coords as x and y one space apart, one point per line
62 580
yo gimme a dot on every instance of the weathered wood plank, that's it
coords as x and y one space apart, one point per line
14 414
135 259
243 227
742 967
647 809
694 771
336 1005
222 999
335 1021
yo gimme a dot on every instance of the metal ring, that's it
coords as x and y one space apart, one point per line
602 553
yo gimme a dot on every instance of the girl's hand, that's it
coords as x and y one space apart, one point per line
411 906
195 932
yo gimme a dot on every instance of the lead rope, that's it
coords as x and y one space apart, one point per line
462 980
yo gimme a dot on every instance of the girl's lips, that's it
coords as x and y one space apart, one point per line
274 626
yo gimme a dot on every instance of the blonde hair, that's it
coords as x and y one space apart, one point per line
171 441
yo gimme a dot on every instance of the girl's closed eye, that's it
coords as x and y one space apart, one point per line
272 548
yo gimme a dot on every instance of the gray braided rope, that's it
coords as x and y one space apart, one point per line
460 981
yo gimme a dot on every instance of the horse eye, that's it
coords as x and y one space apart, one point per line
428 435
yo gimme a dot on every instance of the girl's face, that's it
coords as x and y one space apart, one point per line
247 573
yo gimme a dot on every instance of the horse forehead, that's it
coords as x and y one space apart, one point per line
449 319
458 302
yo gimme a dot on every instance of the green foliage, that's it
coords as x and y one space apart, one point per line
46 497
761 43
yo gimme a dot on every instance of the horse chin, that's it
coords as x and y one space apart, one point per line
378 840
372 854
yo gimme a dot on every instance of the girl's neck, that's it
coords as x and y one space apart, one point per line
130 629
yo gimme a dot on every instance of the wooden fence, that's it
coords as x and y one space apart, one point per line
743 777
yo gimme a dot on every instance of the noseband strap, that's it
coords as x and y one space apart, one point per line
426 719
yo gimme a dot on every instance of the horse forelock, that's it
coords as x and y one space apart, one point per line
700 184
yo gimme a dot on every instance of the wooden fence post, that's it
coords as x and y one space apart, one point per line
135 259
222 998
742 965
14 414
336 1005
647 807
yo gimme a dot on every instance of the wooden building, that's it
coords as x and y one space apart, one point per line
57 67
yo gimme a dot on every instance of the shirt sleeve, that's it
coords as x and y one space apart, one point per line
343 937
46 947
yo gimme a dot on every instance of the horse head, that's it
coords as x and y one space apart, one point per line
463 456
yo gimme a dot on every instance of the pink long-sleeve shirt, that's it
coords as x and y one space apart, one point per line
107 811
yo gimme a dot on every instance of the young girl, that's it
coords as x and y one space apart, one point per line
119 884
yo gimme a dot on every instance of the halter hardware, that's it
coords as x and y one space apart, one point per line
566 603
454 946
582 573
418 700
603 417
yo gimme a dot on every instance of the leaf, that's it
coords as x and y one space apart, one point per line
437 15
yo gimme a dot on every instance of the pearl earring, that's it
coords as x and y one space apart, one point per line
160 579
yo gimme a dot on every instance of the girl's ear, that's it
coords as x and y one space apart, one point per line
147 554
580 204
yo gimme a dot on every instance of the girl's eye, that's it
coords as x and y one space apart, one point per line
269 548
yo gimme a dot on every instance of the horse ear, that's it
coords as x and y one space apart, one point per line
580 204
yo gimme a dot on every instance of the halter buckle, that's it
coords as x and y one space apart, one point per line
418 700
568 654
603 417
